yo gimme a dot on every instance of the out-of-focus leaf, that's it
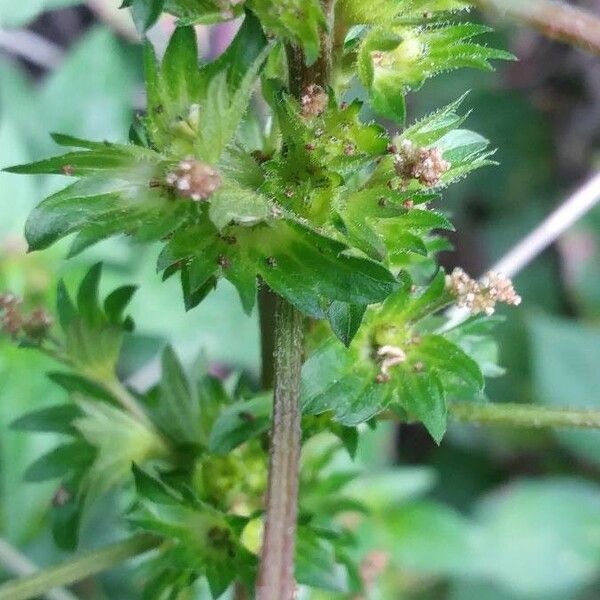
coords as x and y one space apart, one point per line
564 356
240 422
316 564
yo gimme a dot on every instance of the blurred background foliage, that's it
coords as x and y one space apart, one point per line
491 514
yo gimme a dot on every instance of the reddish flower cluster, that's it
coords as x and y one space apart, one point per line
194 179
424 164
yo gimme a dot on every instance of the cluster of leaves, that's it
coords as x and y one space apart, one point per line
198 448
317 209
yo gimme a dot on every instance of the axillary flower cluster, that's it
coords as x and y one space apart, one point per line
424 164
34 325
481 296
194 179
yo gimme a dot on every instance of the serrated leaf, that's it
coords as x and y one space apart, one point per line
422 395
239 423
306 265
448 359
298 21
420 53
333 382
224 109
118 440
345 319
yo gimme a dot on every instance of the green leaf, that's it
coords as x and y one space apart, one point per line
239 423
55 419
234 205
224 109
297 21
60 462
145 13
301 265
116 302
64 305
305 265
395 60
422 395
117 198
316 564
152 488
332 381
565 374
449 360
205 12
88 304
119 440
179 408
345 319
76 383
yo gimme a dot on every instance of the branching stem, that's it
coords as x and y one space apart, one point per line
77 569
523 415
556 20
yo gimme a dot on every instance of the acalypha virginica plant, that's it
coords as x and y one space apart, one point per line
265 167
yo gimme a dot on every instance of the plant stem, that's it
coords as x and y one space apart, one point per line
267 300
523 415
276 574
20 565
76 569
556 20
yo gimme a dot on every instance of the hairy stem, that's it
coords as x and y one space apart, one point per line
523 415
267 300
18 564
556 20
276 574
76 569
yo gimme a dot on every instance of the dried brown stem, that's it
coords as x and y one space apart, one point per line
555 20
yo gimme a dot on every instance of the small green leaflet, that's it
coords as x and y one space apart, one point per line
301 265
298 21
356 384
393 61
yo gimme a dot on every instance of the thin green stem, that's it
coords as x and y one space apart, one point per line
276 574
77 569
128 401
18 564
523 415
